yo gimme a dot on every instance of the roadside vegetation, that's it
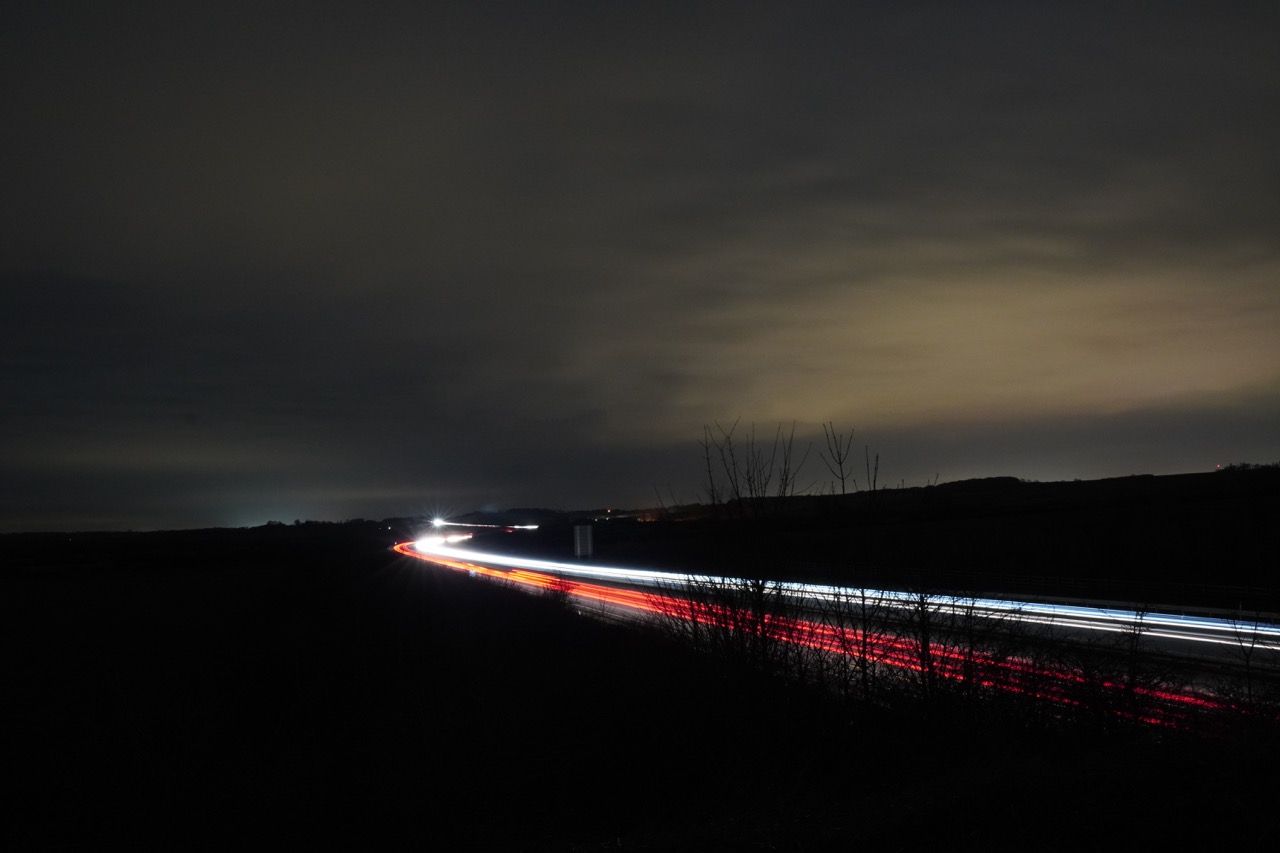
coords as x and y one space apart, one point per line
300 682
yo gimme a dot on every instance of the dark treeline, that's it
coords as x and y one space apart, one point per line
1210 540
191 689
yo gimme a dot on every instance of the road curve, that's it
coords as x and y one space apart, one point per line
642 594
1189 630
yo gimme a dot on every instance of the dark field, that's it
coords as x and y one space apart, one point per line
302 685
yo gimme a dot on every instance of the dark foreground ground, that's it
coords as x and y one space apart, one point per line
305 686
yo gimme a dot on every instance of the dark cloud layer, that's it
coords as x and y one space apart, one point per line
332 261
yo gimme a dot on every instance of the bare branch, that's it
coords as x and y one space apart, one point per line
836 456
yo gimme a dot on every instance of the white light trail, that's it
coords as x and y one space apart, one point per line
440 522
1172 626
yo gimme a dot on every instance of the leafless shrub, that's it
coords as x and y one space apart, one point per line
836 455
789 467
743 472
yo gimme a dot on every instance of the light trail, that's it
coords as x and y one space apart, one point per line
1210 630
1064 686
440 522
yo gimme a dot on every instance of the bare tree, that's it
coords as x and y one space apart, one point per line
745 619
728 455
922 615
858 635
712 487
1134 649
759 467
836 455
788 468
744 473
1259 664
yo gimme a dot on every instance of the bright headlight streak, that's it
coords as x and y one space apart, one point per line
1062 685
440 522
1197 629
430 543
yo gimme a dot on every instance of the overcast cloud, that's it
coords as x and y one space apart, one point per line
328 261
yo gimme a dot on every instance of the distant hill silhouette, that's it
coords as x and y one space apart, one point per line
1209 539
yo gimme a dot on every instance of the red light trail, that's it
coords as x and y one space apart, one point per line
1064 686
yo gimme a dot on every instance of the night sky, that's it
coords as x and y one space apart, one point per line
337 260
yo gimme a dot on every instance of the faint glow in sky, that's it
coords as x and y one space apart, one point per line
384 263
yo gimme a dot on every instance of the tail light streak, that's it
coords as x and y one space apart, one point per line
1063 686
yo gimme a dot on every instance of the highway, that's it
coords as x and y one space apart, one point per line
805 618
